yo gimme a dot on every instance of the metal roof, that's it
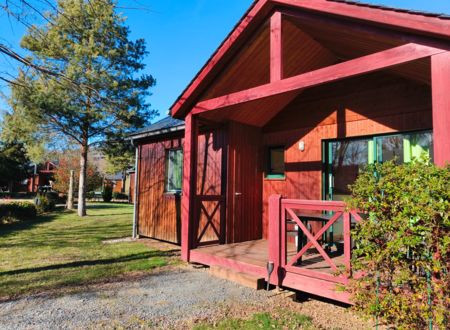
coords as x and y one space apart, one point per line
164 126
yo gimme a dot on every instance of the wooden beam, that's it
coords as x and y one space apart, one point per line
276 47
189 183
440 80
356 67
420 23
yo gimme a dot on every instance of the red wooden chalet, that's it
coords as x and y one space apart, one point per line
298 98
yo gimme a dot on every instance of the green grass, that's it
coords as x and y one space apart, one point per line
282 320
61 249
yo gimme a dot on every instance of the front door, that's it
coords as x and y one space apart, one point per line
244 197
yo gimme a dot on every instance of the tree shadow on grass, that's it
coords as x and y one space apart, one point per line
132 257
6 230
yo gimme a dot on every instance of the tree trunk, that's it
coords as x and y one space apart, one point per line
82 181
70 194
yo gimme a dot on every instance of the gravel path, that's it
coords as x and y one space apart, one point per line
159 299
169 299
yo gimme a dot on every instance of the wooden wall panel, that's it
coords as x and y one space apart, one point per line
159 213
131 191
371 105
211 179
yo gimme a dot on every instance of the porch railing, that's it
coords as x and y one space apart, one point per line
310 238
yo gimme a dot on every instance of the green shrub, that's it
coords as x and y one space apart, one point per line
403 245
44 203
120 196
107 194
90 195
18 210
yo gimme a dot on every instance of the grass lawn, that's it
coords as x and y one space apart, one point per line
61 249
283 320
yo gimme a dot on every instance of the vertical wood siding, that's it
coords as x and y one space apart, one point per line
210 204
374 104
159 213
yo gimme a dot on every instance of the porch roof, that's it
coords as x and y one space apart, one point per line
424 25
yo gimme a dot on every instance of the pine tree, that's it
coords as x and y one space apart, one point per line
96 91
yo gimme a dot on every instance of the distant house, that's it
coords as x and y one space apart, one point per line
278 123
41 177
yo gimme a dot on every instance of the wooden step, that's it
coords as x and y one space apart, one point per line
250 281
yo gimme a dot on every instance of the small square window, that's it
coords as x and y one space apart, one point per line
174 170
276 166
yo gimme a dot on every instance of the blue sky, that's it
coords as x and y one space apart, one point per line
181 35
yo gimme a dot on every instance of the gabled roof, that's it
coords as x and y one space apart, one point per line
164 126
424 24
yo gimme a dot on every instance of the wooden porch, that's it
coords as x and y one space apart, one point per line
304 261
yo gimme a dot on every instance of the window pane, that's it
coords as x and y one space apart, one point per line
276 161
347 158
174 170
421 144
390 148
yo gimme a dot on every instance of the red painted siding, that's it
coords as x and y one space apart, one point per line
374 104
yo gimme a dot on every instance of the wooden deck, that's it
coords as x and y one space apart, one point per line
251 257
256 253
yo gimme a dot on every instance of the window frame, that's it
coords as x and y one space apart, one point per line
270 175
166 173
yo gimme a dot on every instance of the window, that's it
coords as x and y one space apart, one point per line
345 158
174 170
275 168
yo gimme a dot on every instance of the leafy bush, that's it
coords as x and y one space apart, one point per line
90 195
403 245
107 194
120 196
18 210
44 203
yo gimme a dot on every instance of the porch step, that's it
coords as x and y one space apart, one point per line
250 281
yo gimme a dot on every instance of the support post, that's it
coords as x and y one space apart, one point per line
440 80
276 47
275 235
136 195
70 192
189 185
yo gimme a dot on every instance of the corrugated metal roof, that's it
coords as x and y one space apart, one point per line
163 126
399 10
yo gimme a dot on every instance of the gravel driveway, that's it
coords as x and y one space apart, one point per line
159 299
174 298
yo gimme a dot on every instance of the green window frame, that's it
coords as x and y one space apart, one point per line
174 170
275 163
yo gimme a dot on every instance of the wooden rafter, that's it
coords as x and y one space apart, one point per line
359 66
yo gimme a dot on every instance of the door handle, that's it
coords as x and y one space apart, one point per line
238 194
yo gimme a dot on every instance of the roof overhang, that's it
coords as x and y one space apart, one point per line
414 23
160 132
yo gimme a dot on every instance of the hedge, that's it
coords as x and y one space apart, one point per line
18 210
